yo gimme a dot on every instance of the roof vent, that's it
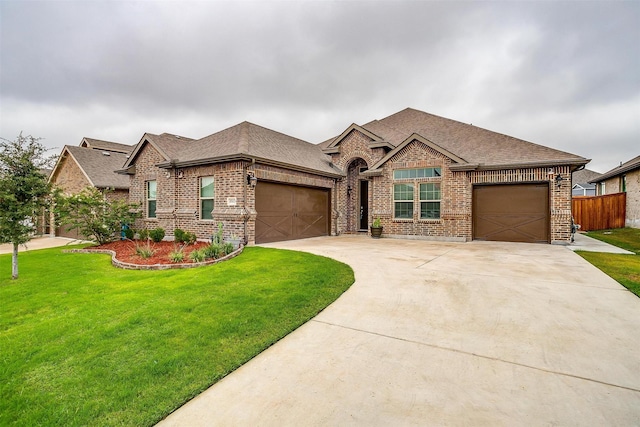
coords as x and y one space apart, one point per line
106 153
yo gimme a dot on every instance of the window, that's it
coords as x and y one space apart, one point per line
403 200
602 189
430 200
152 187
206 197
417 173
623 184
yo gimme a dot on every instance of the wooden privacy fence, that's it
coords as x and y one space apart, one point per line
599 212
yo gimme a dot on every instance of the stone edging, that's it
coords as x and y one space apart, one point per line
128 266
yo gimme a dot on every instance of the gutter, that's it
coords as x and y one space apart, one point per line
176 163
545 163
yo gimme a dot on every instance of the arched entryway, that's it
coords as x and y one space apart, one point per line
358 197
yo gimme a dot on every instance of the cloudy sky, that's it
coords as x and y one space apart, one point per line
561 74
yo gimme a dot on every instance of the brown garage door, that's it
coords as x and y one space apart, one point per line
511 213
287 212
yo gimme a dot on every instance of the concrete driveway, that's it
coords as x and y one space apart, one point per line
432 333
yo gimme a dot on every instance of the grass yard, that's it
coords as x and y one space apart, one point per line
623 268
625 238
84 343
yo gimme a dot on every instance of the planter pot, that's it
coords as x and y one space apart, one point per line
235 242
376 232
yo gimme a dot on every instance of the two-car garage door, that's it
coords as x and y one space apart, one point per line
511 212
287 212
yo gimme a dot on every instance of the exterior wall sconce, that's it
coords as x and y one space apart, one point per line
349 189
252 181
559 180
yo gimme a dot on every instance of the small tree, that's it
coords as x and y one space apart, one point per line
94 216
23 190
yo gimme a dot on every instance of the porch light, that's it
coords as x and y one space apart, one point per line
349 191
252 181
559 180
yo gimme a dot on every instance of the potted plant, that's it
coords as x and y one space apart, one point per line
235 241
376 229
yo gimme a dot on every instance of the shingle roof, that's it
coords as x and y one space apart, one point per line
584 176
100 166
625 167
475 145
247 140
106 145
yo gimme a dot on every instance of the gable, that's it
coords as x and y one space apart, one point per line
375 141
415 148
68 175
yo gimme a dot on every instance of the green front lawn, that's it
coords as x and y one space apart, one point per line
625 269
84 343
625 238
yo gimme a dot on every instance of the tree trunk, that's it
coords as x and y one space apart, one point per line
14 262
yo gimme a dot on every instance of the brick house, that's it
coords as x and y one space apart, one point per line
623 179
424 176
91 164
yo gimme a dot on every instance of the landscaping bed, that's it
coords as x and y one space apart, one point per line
126 251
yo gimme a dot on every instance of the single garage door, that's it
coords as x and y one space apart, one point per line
287 212
511 213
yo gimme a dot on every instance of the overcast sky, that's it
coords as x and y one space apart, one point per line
561 74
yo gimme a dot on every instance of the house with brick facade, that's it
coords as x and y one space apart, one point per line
91 164
423 176
624 178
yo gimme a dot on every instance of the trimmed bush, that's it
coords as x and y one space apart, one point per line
129 233
157 234
143 234
178 235
182 236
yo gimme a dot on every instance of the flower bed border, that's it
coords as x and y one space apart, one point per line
130 266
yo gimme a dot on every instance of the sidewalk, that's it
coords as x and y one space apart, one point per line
589 244
40 243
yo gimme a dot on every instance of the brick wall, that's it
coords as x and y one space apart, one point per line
633 199
456 218
178 191
69 177
234 205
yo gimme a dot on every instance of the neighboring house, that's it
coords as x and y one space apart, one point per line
92 164
624 179
424 176
581 185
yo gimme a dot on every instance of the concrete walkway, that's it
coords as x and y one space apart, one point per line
481 334
585 243
40 243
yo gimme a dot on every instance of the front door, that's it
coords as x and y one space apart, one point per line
364 204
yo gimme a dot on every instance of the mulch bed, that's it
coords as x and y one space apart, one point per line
126 251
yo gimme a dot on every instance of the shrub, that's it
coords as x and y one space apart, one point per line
182 236
178 235
197 256
190 238
143 234
157 234
93 215
212 251
129 233
176 255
